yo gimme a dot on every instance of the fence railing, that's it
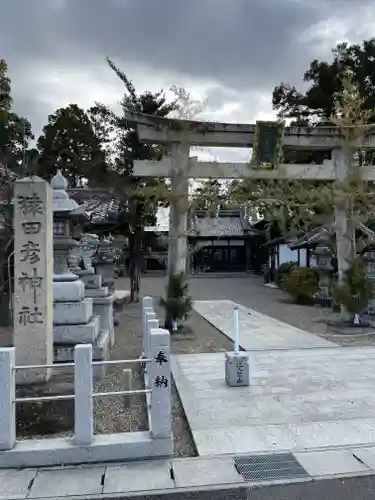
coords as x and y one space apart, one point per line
157 390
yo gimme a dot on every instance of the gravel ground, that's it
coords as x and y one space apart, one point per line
110 415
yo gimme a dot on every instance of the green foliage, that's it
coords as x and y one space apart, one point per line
283 271
15 131
140 196
317 103
69 143
356 290
178 303
301 283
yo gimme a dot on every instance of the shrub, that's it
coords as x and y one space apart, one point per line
355 291
301 283
178 303
284 270
266 274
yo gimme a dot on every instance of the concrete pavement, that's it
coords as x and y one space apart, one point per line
176 477
257 330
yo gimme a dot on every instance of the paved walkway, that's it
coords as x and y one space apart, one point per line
169 476
297 399
257 331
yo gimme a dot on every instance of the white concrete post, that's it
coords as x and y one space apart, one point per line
83 389
146 310
127 380
7 397
160 380
147 304
151 322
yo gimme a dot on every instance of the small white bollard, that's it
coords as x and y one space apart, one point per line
147 307
83 399
127 382
237 371
151 322
7 397
236 327
147 302
160 384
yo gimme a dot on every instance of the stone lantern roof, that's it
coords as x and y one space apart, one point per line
62 203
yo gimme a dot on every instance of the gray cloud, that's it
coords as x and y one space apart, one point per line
237 45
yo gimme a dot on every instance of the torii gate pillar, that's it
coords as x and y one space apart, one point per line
177 251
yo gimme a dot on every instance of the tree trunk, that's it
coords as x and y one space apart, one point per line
135 263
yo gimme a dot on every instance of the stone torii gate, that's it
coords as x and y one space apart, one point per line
181 134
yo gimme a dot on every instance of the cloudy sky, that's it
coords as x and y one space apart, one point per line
230 52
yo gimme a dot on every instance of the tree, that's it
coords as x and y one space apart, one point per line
15 133
317 104
345 204
139 197
69 143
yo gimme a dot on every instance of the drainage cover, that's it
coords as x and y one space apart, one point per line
269 467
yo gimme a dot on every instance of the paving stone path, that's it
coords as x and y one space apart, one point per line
257 330
298 399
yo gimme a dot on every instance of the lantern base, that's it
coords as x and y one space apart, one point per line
237 370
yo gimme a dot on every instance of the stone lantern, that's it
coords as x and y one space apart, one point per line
323 266
73 318
63 242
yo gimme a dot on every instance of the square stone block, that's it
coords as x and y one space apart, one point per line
330 462
72 313
73 291
92 281
196 472
67 482
138 477
85 333
15 483
97 292
237 371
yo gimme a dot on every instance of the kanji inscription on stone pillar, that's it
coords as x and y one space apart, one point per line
33 278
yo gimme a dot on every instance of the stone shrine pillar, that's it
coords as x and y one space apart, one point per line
73 317
33 272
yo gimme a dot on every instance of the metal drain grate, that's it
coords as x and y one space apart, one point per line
269 467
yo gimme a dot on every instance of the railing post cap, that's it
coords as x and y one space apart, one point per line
83 347
159 337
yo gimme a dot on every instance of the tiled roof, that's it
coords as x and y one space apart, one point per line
229 225
103 212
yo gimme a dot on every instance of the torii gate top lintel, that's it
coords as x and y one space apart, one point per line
158 130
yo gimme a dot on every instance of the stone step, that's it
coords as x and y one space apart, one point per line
72 313
85 333
64 353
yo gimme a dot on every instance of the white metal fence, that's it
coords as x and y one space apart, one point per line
156 442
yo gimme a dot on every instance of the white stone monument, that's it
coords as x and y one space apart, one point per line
33 278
